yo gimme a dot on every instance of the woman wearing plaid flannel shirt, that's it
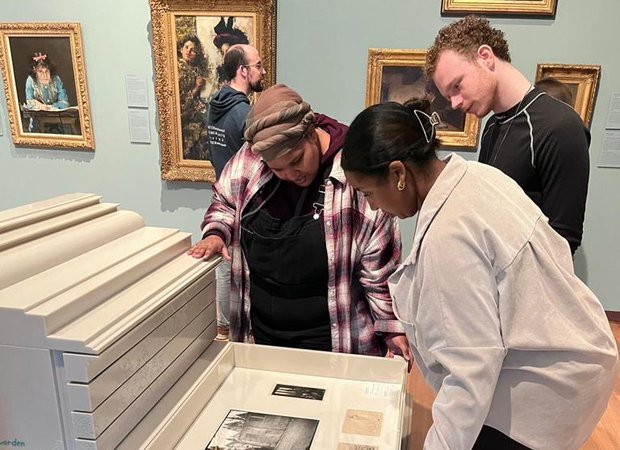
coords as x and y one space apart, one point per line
310 258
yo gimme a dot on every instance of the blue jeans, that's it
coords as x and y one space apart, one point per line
222 293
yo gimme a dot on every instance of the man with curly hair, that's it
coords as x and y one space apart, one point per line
537 140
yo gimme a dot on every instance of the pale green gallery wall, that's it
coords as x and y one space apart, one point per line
322 52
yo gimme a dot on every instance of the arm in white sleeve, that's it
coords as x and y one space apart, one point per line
459 336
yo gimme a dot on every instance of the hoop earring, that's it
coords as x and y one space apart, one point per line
400 185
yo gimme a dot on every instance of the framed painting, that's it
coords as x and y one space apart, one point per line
398 75
582 82
210 26
500 7
45 85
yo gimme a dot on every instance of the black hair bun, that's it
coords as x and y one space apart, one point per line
420 104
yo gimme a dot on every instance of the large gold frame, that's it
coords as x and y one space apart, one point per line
585 77
500 7
163 13
378 58
82 141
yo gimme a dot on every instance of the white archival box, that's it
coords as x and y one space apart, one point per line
107 333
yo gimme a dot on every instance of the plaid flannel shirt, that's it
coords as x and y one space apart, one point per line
363 249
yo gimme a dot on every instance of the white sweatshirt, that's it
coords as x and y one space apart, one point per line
499 324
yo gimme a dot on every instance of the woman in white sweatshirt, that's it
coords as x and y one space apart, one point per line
518 350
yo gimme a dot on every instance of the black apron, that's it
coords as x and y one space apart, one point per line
288 277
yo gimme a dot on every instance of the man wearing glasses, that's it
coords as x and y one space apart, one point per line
242 73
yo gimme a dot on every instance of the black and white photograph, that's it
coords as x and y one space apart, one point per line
309 393
244 430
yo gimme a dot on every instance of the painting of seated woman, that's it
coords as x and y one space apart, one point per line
47 108
45 85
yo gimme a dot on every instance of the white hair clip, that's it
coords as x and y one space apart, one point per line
433 119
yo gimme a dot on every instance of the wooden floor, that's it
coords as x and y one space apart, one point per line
606 436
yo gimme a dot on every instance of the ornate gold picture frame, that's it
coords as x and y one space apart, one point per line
213 25
45 85
581 80
398 75
500 7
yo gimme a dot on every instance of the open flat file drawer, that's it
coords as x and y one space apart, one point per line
268 397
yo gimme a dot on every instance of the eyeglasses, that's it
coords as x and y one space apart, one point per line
259 66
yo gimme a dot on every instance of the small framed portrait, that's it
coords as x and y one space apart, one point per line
500 7
45 85
580 80
398 75
186 80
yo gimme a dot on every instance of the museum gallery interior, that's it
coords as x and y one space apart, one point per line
109 329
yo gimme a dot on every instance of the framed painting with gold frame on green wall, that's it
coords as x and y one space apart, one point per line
582 82
45 85
500 7
210 27
398 75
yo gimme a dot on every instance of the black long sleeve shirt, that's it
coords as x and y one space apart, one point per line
542 144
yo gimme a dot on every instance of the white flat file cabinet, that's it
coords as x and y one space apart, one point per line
107 342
